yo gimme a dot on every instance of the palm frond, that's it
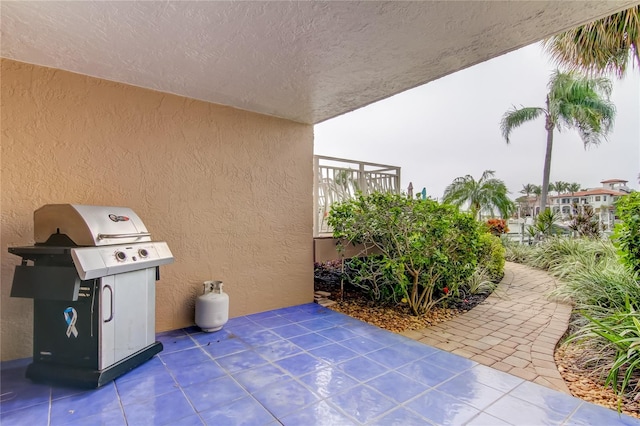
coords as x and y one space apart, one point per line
601 47
515 117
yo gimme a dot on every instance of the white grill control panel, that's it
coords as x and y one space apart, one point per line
96 262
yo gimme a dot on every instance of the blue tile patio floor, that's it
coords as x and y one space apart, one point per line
303 365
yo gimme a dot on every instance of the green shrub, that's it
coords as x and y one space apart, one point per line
480 282
620 331
491 257
427 249
627 233
370 273
560 251
597 287
516 252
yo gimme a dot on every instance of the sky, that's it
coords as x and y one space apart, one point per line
450 127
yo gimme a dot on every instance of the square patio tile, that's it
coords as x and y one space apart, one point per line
173 343
362 344
207 395
442 409
198 373
135 391
243 412
85 404
226 347
362 403
401 417
318 414
396 386
333 353
278 350
259 377
283 398
473 393
499 380
362 368
260 337
391 357
241 361
426 372
162 410
450 361
589 414
310 341
291 330
33 415
301 364
316 324
337 334
516 411
546 398
328 381
176 361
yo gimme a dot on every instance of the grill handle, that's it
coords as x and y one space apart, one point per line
134 235
107 286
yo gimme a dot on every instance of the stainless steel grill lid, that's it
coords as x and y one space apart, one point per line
89 225
105 240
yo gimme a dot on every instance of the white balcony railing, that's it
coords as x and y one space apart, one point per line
338 179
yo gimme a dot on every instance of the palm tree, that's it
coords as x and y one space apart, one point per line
558 186
600 47
573 187
573 101
527 189
537 190
485 193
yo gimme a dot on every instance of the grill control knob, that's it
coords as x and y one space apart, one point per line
121 256
143 253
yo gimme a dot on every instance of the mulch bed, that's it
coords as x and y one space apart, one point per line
397 318
572 359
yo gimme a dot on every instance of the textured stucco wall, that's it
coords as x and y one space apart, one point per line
229 190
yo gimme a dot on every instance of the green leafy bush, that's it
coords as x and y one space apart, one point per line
371 274
427 250
627 233
491 257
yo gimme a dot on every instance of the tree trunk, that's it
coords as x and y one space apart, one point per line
547 161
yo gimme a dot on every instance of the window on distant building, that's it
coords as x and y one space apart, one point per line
604 198
597 198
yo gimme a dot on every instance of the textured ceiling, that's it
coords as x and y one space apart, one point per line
305 61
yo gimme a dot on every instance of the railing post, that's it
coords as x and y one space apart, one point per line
362 181
316 195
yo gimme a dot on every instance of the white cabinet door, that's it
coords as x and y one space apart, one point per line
135 311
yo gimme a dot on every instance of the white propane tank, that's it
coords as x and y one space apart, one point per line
212 307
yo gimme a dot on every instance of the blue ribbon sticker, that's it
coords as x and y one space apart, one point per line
71 316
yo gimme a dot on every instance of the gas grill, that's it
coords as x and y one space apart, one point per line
91 275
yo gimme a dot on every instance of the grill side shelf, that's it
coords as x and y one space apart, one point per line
46 282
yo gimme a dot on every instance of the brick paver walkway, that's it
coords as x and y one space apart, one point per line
514 330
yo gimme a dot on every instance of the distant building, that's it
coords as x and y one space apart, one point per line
602 200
